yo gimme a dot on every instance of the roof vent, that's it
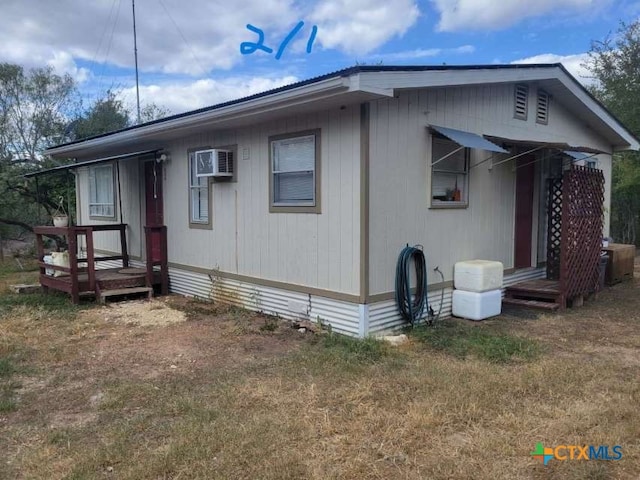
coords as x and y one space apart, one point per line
521 101
542 109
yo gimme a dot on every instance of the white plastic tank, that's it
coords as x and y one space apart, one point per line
475 305
478 275
48 259
60 259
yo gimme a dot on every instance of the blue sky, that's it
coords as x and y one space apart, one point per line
189 50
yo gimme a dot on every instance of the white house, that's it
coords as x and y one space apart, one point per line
323 182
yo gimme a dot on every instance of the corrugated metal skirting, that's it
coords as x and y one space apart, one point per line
384 316
342 316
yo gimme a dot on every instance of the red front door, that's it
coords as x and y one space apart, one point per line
524 211
154 212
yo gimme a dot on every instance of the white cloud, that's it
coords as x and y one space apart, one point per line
194 37
425 53
573 63
360 26
207 36
458 15
185 96
62 63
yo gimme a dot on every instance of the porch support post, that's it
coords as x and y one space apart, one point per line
91 265
72 235
123 246
119 189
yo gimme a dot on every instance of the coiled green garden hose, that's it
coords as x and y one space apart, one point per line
411 309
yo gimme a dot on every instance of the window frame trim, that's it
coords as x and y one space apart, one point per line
208 225
440 205
316 208
106 218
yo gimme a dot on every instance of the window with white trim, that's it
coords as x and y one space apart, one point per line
449 173
101 191
294 170
198 194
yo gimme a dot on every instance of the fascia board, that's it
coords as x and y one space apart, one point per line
277 101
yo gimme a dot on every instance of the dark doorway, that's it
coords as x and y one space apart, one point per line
153 202
524 210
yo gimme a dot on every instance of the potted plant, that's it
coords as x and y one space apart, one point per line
60 217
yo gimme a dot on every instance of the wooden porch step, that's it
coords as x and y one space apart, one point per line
524 287
519 302
125 291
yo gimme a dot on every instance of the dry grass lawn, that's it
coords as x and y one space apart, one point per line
107 392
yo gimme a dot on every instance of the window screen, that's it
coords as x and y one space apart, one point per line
293 170
101 191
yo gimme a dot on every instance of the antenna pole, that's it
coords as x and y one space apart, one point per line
135 54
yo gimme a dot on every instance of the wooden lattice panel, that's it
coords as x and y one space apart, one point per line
582 219
554 227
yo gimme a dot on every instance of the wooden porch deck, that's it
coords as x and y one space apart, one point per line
541 294
106 279
82 277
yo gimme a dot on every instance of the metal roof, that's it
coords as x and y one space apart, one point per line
339 73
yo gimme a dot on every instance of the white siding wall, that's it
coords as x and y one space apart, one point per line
400 175
315 250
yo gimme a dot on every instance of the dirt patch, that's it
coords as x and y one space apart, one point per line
142 313
72 420
225 393
628 357
182 336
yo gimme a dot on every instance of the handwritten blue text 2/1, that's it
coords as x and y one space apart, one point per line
247 48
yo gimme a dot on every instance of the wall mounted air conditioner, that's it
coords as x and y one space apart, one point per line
214 163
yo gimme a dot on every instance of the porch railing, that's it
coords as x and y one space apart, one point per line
71 282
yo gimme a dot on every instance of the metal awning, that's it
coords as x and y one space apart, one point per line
531 146
544 144
95 161
577 155
468 139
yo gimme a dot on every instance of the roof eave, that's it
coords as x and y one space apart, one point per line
303 94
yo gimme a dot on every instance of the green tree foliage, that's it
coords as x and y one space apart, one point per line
615 66
34 108
39 109
151 111
109 114
105 115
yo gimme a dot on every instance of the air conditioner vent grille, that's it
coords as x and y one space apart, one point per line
214 163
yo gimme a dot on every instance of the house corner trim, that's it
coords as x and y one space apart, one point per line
364 201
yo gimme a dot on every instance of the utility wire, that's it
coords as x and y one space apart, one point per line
184 39
104 31
94 59
113 29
